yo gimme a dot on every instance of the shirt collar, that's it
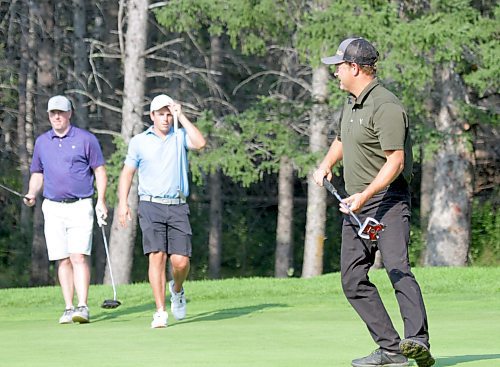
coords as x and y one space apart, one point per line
71 132
365 92
151 130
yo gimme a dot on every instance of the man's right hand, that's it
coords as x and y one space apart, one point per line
29 200
124 214
320 173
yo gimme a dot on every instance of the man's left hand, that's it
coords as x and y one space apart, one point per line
354 202
101 213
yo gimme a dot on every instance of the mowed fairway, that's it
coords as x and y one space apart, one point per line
257 322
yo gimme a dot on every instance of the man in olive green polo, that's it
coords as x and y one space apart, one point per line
375 147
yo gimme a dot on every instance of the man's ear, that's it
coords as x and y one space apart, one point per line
151 115
355 69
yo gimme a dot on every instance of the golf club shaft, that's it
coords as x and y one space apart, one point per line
12 191
109 261
176 127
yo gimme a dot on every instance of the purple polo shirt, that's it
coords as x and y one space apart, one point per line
67 163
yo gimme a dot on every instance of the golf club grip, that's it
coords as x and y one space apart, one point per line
328 185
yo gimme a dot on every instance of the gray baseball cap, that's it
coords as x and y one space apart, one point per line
59 103
357 50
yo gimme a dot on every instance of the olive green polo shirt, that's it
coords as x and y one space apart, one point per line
373 122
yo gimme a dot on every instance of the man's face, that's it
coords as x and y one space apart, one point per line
59 119
343 72
162 119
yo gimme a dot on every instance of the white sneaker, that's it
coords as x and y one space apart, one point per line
177 302
160 319
67 316
81 315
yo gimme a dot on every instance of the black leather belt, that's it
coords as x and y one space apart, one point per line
70 200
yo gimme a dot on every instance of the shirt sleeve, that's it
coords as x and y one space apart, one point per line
390 123
96 158
36 162
132 158
185 138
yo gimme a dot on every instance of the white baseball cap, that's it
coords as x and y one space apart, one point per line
59 103
160 101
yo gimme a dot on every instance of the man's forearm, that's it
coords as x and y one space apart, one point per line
333 156
101 182
195 136
35 184
124 184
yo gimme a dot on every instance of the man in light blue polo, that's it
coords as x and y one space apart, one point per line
159 154
65 161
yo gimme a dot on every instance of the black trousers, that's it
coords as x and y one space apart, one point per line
391 207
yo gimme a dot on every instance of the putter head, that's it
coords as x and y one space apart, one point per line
110 303
370 229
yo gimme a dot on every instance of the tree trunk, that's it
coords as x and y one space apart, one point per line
123 239
448 233
283 259
22 151
215 178
283 263
81 64
316 196
215 233
427 169
39 274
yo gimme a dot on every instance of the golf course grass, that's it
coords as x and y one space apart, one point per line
257 322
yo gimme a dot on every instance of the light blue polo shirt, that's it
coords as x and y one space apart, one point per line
162 164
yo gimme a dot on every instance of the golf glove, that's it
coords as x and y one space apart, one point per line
101 215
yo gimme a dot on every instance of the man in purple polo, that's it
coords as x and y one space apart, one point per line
65 161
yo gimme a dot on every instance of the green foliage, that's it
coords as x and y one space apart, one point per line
417 245
453 35
323 29
485 238
248 23
15 252
114 166
474 115
483 72
249 145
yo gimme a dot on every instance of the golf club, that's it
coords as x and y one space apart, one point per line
13 192
371 227
178 157
109 303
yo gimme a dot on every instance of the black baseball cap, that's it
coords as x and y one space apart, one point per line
357 50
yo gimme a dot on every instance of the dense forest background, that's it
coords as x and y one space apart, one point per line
247 72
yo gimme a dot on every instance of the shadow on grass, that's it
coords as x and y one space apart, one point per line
111 314
229 313
455 360
223 314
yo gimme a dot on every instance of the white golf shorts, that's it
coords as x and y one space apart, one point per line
68 228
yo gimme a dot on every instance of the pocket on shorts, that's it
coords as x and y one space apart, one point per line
144 221
185 209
